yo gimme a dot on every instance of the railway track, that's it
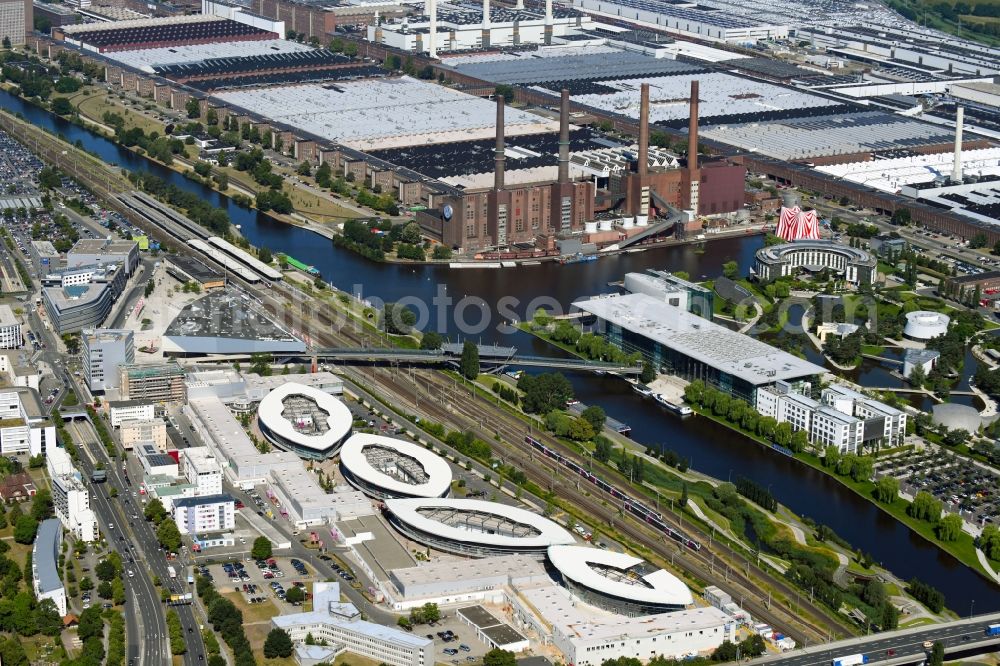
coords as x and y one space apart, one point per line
722 571
440 398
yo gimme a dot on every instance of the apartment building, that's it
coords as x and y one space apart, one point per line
23 428
10 329
104 351
212 513
121 411
70 497
45 579
202 470
136 431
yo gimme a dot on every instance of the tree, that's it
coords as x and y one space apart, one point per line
469 364
264 255
648 373
397 319
411 233
498 657
441 253
731 270
431 340
937 654
949 527
304 169
917 376
752 646
155 511
105 570
261 549
295 595
62 106
278 644
104 590
595 416
404 623
684 496
25 529
169 536
887 489
544 393
193 108
6 42
118 591
41 505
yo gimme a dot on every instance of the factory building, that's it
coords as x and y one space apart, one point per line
456 27
16 21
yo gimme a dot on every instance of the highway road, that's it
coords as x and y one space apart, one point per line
905 646
144 557
146 628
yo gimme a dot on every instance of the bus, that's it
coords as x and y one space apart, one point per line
172 572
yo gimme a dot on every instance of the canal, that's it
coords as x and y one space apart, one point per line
483 302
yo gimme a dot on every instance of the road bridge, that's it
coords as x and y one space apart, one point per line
905 646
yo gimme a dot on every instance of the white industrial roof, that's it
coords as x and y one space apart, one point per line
147 59
381 113
438 472
406 510
728 351
573 562
719 94
889 175
338 419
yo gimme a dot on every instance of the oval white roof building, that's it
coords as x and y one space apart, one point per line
384 467
619 582
304 420
475 527
924 325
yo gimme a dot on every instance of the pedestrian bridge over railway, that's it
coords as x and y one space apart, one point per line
490 356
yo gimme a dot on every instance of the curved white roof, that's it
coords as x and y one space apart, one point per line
924 324
339 419
353 458
405 511
573 562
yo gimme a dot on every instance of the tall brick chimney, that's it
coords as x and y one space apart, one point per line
498 155
564 138
643 129
693 129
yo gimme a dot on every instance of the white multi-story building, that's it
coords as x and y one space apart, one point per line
135 431
24 430
70 497
881 420
10 329
202 470
130 410
45 578
340 624
843 417
104 350
833 428
212 513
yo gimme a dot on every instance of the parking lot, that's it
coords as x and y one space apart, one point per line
262 580
454 641
961 486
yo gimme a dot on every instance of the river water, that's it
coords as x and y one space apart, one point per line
484 300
